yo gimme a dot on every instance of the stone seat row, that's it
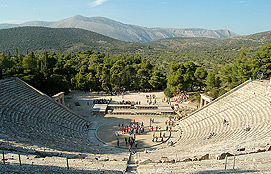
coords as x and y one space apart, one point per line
245 106
31 117
238 119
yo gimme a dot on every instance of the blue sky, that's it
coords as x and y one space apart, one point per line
240 16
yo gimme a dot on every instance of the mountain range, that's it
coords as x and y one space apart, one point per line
207 51
125 32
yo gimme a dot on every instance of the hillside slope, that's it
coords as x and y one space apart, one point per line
56 39
126 32
208 51
253 41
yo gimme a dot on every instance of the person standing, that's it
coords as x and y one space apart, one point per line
125 141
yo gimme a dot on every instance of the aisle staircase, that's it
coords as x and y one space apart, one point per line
131 166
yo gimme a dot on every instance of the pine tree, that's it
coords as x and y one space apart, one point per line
240 69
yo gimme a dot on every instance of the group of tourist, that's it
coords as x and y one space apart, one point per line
166 100
102 101
133 128
169 122
130 141
150 96
179 117
146 90
151 99
123 102
183 97
161 136
112 93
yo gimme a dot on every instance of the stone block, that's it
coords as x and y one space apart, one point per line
204 157
125 159
169 161
241 149
223 156
145 162
79 156
260 150
187 160
104 159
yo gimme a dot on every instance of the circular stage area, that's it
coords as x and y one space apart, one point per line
107 132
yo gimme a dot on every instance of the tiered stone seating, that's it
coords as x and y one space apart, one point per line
252 163
31 122
90 164
246 105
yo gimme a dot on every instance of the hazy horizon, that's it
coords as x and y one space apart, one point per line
242 17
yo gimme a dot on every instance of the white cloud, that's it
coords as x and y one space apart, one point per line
3 5
97 2
164 2
243 1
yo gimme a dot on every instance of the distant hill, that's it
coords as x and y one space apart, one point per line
58 39
208 51
125 32
252 41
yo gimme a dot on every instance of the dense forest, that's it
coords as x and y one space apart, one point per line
203 51
55 72
218 81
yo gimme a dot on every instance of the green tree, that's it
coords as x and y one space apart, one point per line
105 77
118 73
144 73
80 80
212 79
157 80
225 75
55 84
240 69
200 75
30 63
5 63
44 64
189 77
261 61
168 92
176 81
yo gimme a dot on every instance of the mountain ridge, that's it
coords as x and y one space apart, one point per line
39 39
126 32
206 51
